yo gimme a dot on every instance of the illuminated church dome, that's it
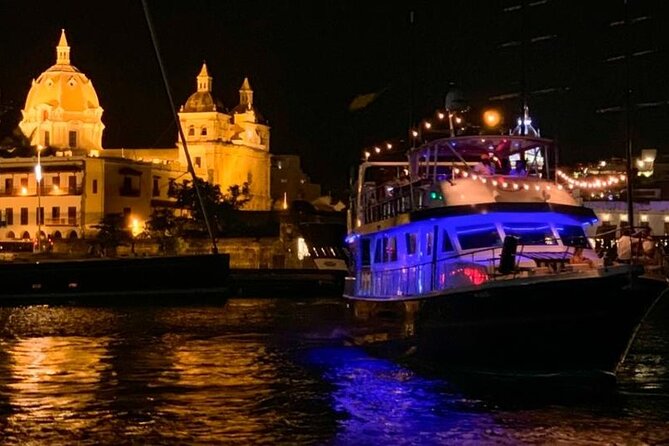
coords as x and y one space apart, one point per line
62 108
202 100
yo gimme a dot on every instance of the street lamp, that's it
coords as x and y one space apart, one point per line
38 179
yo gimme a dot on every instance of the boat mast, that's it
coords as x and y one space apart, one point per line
628 117
191 170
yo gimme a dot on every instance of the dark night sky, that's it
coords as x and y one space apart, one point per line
307 60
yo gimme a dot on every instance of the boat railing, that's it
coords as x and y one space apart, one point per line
467 269
391 199
380 202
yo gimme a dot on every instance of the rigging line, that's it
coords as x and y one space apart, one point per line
207 223
157 140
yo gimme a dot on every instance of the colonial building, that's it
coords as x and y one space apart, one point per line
225 148
70 182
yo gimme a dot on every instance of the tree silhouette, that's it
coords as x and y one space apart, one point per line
112 233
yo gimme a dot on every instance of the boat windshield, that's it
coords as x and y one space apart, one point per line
530 233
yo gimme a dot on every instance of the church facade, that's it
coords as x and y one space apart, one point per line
70 182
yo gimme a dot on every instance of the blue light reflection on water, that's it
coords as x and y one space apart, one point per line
273 371
381 402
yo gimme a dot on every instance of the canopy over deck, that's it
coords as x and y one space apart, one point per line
471 148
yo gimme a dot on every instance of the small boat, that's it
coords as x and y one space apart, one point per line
487 270
185 278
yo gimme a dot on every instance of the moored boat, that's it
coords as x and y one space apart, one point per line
488 269
117 280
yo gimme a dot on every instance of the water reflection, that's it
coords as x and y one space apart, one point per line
54 379
278 372
381 402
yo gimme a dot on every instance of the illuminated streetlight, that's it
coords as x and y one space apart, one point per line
38 179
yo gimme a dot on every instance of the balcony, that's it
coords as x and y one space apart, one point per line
62 221
44 191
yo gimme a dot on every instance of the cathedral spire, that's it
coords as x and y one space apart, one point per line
246 94
203 79
62 50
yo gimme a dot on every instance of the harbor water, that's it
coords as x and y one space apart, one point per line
283 371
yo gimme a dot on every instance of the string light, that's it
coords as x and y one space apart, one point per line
506 183
598 183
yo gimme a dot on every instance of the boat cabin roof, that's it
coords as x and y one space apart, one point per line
472 147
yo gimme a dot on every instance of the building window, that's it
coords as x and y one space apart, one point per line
11 235
198 161
9 185
24 216
72 185
156 187
191 131
24 182
56 182
72 216
203 132
55 214
47 138
40 215
9 216
95 186
72 139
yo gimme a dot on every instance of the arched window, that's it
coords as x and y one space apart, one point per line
26 235
191 131
57 235
10 234
73 235
203 132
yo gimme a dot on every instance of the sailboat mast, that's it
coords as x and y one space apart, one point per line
191 169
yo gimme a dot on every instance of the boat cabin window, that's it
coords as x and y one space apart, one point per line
385 249
365 251
530 233
478 236
572 235
428 244
411 243
446 244
378 251
389 249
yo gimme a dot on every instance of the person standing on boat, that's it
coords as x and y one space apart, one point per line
484 167
648 246
624 247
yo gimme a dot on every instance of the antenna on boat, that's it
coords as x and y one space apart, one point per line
411 71
191 170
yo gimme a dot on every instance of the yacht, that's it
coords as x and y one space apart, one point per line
461 255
